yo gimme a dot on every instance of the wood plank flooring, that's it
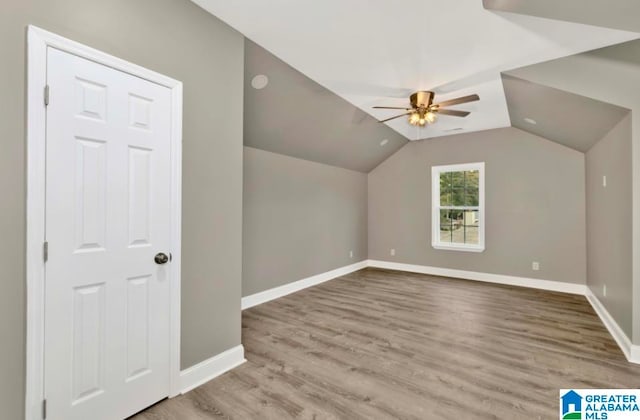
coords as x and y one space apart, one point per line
380 344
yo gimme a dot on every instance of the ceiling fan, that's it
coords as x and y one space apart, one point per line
423 111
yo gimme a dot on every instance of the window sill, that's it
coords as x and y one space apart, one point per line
458 248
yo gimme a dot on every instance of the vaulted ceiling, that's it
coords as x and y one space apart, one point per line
376 52
572 120
619 14
295 116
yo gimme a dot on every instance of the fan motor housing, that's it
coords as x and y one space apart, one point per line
422 99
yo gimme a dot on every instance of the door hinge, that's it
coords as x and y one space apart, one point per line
46 95
44 409
45 251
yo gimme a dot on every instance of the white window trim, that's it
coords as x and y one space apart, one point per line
435 206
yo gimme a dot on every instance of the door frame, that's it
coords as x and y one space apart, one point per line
38 41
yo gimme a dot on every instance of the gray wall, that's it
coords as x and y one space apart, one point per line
613 76
609 233
534 205
301 218
176 38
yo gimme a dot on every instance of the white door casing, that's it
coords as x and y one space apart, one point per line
105 341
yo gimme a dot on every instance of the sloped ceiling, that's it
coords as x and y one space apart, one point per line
376 52
610 74
293 115
572 120
619 14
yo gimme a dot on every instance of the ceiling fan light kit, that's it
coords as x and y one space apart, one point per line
423 111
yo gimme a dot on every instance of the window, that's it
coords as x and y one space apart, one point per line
458 207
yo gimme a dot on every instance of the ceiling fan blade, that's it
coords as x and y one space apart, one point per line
391 107
453 112
397 116
461 100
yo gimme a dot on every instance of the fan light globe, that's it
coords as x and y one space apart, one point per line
414 119
431 117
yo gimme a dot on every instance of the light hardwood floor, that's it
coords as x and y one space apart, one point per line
379 344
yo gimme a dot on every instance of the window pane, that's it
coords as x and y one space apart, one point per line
471 227
445 181
457 179
445 226
459 188
472 189
472 179
459 226
445 188
471 198
457 196
445 197
452 226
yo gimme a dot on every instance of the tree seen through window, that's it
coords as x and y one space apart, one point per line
459 207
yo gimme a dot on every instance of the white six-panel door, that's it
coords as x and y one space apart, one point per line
108 211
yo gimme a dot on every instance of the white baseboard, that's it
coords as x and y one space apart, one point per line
205 371
280 291
556 286
631 351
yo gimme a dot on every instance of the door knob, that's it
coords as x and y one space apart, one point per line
161 258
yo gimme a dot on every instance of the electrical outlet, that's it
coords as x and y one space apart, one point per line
535 266
351 254
392 252
604 290
604 180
